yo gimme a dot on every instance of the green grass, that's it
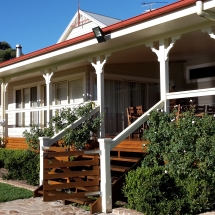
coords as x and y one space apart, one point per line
10 193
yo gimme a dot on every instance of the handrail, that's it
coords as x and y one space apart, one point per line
59 135
191 93
33 109
44 108
135 125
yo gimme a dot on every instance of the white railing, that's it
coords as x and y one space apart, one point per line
135 125
25 110
191 93
43 108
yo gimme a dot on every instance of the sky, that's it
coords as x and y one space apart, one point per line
36 24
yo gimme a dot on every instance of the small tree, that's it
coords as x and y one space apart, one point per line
6 52
77 137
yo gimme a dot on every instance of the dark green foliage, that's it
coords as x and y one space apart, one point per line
32 136
10 193
6 52
77 137
177 175
21 165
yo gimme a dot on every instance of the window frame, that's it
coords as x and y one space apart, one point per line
188 68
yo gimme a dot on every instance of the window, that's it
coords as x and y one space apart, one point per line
68 92
26 98
200 73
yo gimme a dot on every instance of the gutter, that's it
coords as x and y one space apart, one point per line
200 12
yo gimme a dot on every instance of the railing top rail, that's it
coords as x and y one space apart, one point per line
135 125
191 93
42 108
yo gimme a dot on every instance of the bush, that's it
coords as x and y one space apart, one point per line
77 137
179 163
21 165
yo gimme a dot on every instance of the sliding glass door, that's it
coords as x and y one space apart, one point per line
119 95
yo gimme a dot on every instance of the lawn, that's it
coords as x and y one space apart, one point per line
10 193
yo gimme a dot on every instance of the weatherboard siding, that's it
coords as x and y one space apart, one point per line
82 29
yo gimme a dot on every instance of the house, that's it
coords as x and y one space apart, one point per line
142 59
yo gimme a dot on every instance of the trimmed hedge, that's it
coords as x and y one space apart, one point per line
21 165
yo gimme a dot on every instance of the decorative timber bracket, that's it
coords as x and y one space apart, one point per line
98 66
164 49
209 31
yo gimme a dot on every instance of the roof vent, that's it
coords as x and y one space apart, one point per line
18 50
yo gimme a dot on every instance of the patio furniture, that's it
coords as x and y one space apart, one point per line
133 113
200 110
210 110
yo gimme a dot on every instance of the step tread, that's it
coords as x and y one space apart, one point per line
123 158
81 200
120 168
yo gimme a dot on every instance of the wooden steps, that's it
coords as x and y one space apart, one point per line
16 143
126 156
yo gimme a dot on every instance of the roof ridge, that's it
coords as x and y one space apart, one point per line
100 14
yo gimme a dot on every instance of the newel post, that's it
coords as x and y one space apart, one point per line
44 141
105 174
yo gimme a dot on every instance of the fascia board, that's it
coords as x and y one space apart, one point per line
50 55
154 22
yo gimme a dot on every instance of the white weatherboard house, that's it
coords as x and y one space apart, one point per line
142 58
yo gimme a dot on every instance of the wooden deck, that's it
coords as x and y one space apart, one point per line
127 145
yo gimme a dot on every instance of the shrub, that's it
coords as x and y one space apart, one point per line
77 137
21 165
184 151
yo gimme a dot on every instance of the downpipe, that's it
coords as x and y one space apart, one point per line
200 12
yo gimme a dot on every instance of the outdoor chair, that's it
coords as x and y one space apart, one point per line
210 110
133 113
200 110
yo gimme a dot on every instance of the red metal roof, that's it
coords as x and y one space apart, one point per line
108 29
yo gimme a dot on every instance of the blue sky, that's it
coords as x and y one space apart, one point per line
36 24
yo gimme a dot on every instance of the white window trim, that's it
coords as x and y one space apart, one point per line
188 68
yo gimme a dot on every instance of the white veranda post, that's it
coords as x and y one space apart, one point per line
3 122
104 143
47 74
105 174
162 54
100 87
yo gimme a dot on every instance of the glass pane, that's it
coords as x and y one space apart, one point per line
26 104
18 98
34 114
113 107
18 105
153 94
76 91
61 93
33 96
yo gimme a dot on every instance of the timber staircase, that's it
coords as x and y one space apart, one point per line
82 174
